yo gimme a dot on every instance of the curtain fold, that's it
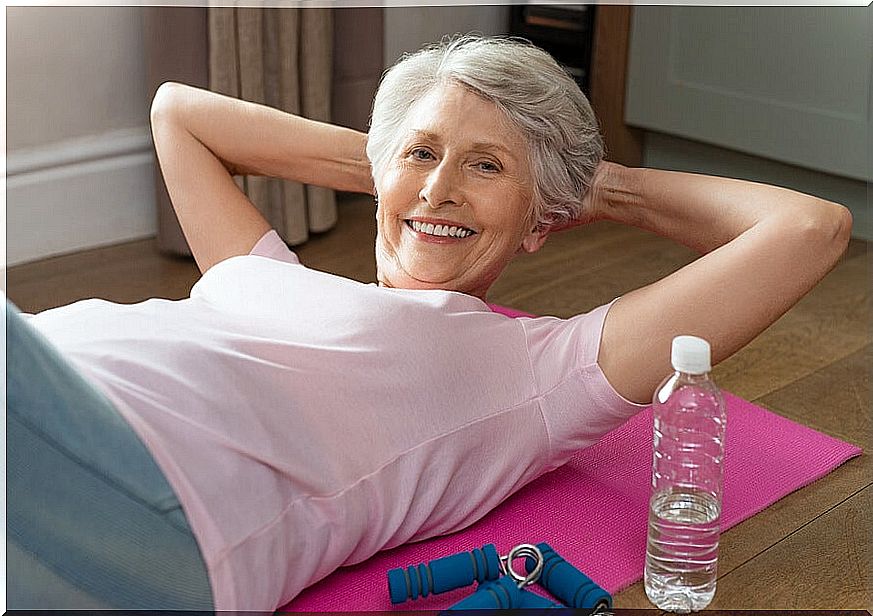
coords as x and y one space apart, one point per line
176 50
282 58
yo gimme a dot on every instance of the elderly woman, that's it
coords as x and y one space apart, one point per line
227 450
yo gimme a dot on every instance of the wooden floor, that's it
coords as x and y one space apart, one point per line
810 550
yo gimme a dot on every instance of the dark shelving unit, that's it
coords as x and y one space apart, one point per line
564 30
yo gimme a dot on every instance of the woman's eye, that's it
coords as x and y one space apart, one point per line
421 154
487 166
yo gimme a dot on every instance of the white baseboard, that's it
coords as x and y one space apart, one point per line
79 194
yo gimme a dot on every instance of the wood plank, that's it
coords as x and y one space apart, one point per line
136 271
824 565
831 322
585 267
124 273
834 400
633 597
349 249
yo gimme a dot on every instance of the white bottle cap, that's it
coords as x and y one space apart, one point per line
690 354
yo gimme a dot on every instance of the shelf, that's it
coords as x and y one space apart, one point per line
565 31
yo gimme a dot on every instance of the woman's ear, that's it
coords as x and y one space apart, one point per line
535 239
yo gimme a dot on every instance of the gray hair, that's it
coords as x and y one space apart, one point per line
524 82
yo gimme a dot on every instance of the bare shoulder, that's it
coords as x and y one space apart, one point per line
625 350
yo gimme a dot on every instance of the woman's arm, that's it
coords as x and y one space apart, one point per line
765 248
203 138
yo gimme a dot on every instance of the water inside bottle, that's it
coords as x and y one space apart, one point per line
682 550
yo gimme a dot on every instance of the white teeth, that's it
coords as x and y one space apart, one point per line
440 230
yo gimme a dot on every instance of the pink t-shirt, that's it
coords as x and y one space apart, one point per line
307 421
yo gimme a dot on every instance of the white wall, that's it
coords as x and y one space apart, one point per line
79 158
408 28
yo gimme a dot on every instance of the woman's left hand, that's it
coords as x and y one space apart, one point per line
591 202
591 210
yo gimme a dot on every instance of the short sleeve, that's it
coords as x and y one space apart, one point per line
272 247
579 404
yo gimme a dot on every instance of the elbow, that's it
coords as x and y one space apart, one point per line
829 226
839 227
166 102
845 230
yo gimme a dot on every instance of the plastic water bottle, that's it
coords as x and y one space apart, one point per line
685 507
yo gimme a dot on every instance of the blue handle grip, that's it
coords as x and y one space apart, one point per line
502 594
567 583
444 574
531 600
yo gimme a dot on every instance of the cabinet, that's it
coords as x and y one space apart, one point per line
565 31
790 84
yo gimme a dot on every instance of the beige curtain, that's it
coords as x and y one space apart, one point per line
282 58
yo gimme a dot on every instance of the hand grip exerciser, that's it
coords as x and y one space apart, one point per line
567 583
444 574
502 594
508 592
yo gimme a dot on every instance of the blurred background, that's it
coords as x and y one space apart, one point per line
774 94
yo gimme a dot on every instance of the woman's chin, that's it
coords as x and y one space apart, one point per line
420 279
425 282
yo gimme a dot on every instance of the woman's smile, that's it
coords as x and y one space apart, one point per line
438 230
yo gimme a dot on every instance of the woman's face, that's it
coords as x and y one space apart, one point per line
454 202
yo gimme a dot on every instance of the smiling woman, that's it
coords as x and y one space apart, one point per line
490 135
280 410
531 96
459 165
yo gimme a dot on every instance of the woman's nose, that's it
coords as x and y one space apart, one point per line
441 187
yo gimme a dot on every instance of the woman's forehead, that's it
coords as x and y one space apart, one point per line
491 142
453 112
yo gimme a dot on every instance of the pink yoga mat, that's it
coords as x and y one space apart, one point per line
594 509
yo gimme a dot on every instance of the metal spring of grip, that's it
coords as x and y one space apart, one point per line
521 551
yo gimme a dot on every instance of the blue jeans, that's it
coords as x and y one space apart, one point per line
91 521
